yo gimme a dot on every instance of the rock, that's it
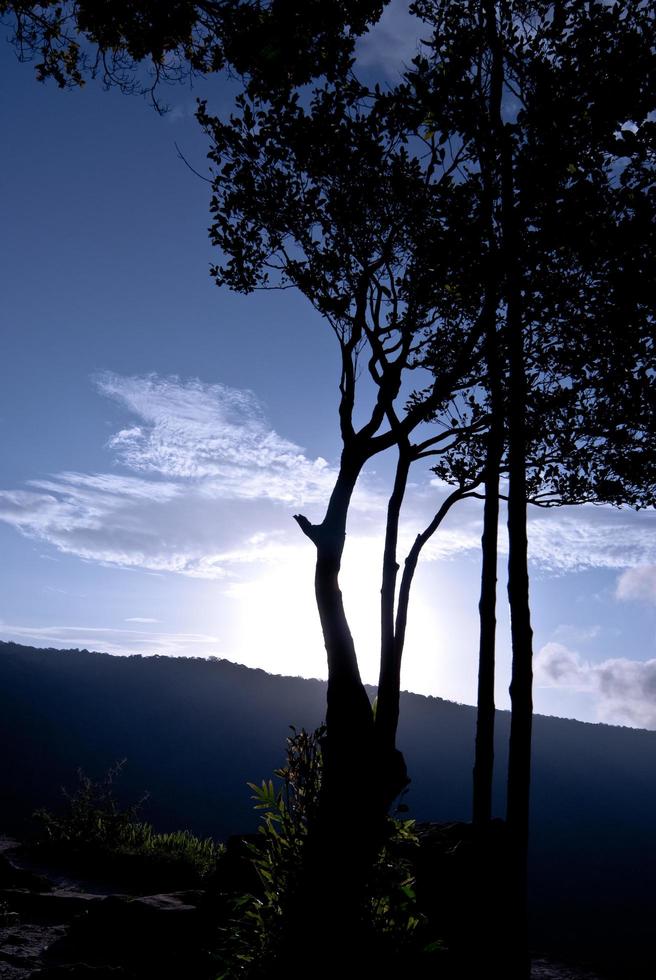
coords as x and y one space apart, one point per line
82 971
545 969
157 936
11 876
47 907
22 947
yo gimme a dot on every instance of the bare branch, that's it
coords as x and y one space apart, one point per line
308 529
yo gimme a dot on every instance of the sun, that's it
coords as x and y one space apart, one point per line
275 624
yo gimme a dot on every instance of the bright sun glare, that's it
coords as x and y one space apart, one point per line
275 624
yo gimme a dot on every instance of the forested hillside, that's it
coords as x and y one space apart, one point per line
194 731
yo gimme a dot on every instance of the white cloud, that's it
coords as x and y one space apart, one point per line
579 538
392 43
141 619
625 690
637 583
558 666
116 641
215 434
209 487
206 467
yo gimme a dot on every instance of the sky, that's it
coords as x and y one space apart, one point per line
158 435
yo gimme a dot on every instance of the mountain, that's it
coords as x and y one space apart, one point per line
195 731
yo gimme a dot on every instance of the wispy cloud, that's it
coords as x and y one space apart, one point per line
204 486
567 633
625 690
215 434
579 538
116 641
570 539
198 459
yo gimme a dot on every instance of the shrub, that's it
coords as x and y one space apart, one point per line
289 806
96 831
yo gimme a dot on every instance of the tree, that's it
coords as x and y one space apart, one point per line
556 105
326 196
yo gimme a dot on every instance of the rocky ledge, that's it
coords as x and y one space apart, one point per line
53 927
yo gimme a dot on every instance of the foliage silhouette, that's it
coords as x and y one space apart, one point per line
262 934
99 836
142 46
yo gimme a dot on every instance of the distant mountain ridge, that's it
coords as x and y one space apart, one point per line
195 731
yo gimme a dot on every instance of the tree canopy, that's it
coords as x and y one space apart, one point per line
140 46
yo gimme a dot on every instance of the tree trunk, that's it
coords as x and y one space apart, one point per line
484 749
349 720
489 155
393 775
342 844
521 697
521 687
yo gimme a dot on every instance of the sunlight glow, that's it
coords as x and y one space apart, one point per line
275 623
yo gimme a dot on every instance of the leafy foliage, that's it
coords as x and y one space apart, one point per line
138 46
288 810
289 807
577 120
96 830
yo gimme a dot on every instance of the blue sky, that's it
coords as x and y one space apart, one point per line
158 434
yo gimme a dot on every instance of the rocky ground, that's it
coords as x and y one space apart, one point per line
54 927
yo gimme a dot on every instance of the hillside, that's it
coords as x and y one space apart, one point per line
194 731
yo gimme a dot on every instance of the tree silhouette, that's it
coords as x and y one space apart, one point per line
324 195
555 106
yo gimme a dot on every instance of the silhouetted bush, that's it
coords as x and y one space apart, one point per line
262 921
98 834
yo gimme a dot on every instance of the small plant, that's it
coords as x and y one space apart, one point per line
288 808
96 831
93 816
395 916
287 814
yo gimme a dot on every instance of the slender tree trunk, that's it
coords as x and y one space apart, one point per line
484 749
521 687
489 156
349 719
394 776
521 698
348 707
392 770
390 685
